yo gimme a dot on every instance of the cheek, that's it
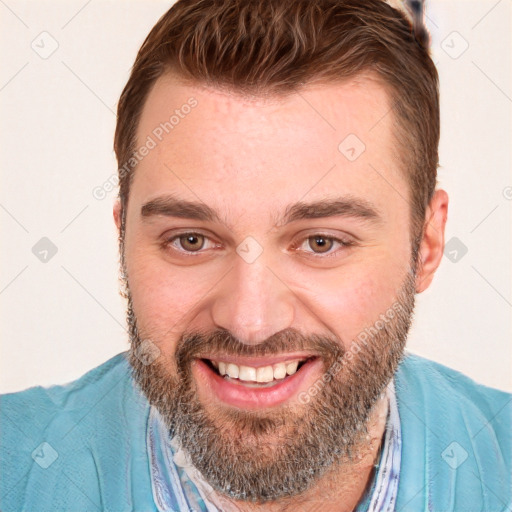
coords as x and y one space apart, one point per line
159 298
352 301
365 303
164 299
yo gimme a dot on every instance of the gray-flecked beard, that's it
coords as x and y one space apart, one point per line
265 455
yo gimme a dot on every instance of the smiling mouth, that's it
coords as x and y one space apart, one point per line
258 377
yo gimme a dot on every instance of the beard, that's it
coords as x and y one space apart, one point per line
265 455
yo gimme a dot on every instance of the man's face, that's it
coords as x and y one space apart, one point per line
264 282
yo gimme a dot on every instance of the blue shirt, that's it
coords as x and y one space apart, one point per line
83 446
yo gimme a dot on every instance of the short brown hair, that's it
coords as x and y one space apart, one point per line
273 47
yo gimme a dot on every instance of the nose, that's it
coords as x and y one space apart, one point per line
253 303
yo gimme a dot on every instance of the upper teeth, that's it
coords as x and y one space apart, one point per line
261 374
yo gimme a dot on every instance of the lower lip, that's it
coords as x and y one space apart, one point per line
235 393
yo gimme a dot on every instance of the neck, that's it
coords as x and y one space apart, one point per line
340 489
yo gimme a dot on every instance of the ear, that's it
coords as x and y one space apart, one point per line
117 214
432 243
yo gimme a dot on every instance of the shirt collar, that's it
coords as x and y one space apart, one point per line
178 486
384 489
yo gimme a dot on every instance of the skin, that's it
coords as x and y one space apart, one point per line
249 159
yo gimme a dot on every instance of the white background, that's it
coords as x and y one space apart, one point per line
64 317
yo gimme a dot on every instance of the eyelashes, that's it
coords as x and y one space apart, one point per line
177 243
188 236
333 240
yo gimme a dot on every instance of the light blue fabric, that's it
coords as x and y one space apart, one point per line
82 446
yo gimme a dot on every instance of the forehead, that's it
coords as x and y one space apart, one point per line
218 145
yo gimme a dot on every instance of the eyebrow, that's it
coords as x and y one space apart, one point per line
342 206
171 206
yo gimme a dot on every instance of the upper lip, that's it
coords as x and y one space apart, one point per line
257 362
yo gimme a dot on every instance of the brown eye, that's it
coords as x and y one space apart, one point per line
192 241
322 243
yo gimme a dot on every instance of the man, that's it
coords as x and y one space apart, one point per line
277 214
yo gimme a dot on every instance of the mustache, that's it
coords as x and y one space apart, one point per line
222 342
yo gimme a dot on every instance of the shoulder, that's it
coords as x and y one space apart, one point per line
53 435
435 381
456 442
38 404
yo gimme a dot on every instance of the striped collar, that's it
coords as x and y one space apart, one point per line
177 486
